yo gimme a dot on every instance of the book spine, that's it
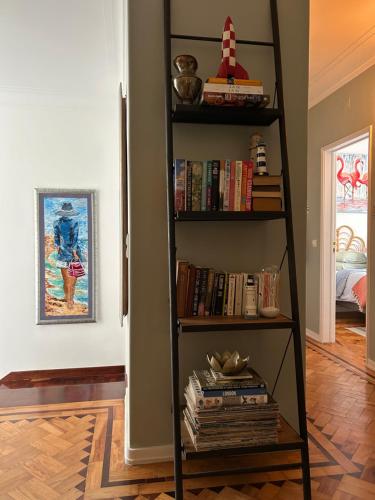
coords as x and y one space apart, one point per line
189 183
209 185
230 99
237 186
197 286
221 184
210 287
249 185
225 296
218 402
196 190
232 185
238 295
214 293
226 185
245 166
190 292
220 294
181 287
202 292
233 89
250 391
204 187
235 81
250 297
231 292
215 184
180 184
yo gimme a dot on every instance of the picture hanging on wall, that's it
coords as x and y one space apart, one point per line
65 237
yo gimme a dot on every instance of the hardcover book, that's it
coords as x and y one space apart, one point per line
215 184
226 185
181 287
180 185
237 186
204 187
196 189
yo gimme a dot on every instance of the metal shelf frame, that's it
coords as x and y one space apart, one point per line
264 117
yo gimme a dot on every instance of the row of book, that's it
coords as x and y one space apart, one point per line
221 92
229 413
224 185
202 291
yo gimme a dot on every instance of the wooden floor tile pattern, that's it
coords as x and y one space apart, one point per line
75 450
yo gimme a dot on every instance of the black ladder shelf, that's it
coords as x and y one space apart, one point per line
289 439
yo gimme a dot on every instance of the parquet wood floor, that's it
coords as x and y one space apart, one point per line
75 450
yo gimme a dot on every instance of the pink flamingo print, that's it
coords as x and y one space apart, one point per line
342 177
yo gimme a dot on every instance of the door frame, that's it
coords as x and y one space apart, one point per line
327 316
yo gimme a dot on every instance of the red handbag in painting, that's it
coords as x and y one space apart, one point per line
75 269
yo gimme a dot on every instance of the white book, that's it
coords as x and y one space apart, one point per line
233 89
238 295
231 291
237 186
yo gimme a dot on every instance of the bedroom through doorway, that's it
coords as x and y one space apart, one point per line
351 221
344 244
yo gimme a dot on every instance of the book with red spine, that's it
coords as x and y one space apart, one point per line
232 185
245 167
249 188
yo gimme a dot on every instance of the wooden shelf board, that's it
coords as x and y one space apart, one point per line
227 216
289 439
228 323
224 115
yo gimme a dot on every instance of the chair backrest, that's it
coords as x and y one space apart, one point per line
347 241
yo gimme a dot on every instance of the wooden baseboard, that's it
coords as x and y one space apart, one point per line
150 455
64 376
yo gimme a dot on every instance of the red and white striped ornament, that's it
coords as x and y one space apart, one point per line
229 68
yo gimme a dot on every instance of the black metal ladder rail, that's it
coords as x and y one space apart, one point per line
174 333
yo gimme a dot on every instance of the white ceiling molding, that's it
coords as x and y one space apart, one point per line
337 68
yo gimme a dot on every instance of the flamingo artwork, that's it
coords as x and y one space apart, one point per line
355 176
343 177
364 179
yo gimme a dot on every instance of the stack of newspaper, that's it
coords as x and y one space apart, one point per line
229 412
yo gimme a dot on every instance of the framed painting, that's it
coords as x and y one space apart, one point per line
65 242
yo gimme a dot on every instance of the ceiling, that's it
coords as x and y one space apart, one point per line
53 47
342 44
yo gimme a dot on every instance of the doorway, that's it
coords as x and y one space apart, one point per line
344 241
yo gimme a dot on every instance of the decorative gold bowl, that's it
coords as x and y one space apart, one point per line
227 363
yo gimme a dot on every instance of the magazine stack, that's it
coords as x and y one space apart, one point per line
229 412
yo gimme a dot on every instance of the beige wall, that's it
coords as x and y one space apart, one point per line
233 246
347 111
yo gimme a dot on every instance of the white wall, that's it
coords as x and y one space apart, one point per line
58 133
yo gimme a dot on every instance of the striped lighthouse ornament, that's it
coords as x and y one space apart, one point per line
229 67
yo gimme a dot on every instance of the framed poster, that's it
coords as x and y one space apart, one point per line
65 242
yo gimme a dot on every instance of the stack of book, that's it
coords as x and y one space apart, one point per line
266 193
231 412
223 92
202 291
211 185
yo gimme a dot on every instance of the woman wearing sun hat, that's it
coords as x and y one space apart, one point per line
67 245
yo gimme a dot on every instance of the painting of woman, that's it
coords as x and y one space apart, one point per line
65 256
